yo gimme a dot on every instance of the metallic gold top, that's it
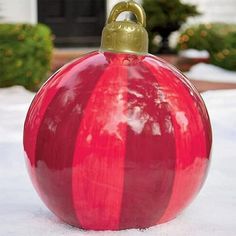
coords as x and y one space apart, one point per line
126 36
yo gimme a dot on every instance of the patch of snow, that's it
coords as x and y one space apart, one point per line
212 73
212 213
193 53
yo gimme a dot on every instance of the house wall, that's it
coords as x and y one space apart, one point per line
215 10
18 11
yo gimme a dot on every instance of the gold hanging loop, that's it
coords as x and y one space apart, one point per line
131 6
125 36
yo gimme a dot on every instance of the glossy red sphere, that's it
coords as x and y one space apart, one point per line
117 141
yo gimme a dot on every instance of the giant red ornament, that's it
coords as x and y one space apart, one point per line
118 139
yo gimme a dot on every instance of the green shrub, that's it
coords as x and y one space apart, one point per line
164 17
218 39
25 54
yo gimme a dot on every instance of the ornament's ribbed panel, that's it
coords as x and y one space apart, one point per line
36 113
57 135
98 174
191 153
34 117
150 152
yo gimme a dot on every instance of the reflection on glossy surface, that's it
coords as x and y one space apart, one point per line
116 141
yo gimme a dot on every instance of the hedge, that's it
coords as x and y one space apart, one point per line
25 54
217 38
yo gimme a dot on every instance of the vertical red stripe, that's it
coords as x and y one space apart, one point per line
191 133
100 149
150 152
57 135
37 110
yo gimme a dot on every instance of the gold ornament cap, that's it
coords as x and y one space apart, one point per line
126 36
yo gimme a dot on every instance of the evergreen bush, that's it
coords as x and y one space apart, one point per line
165 17
25 54
217 38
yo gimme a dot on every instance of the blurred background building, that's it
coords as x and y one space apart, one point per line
79 22
74 22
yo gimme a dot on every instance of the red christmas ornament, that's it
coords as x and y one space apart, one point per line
118 139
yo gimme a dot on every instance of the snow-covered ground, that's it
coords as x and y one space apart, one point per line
23 214
211 73
207 72
193 53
